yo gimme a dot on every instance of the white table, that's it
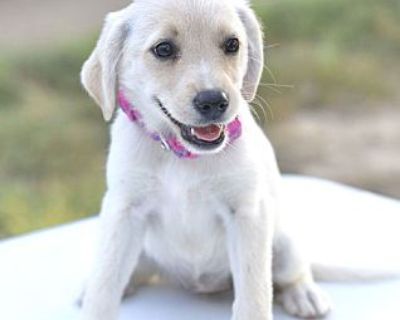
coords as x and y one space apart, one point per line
41 274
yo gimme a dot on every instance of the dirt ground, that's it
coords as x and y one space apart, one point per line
36 22
352 144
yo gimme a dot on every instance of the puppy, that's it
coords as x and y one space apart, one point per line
192 182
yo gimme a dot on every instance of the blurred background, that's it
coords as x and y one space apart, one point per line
329 101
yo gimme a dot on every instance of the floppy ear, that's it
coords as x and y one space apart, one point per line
99 72
255 53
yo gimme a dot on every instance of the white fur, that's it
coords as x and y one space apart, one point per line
201 222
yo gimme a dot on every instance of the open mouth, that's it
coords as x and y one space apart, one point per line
206 137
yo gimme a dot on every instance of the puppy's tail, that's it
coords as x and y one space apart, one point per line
344 274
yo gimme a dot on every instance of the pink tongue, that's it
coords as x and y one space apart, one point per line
209 133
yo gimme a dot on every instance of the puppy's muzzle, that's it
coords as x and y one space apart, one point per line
211 104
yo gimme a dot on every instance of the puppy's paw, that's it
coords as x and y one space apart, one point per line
305 300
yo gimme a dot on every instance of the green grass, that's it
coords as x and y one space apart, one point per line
330 52
360 24
53 140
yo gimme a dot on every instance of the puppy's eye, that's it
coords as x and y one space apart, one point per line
231 45
165 50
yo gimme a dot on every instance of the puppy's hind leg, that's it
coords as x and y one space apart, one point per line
295 288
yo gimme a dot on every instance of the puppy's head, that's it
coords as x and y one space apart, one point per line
187 65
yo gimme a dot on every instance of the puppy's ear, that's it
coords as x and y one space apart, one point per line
255 53
99 72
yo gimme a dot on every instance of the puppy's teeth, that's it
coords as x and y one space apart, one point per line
192 131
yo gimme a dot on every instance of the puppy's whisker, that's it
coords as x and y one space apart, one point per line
257 105
266 107
264 113
271 46
272 88
269 108
270 73
254 112
274 84
277 85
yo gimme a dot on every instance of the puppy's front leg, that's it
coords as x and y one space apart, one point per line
250 251
120 245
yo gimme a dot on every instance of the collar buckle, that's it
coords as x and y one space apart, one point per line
164 144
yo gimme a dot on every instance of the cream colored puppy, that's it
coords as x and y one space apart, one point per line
193 185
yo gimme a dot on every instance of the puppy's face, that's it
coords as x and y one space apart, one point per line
183 65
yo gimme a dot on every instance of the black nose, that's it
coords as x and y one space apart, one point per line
211 104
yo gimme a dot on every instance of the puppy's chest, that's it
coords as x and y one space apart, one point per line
183 196
187 212
186 234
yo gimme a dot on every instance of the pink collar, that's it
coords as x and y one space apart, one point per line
171 143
